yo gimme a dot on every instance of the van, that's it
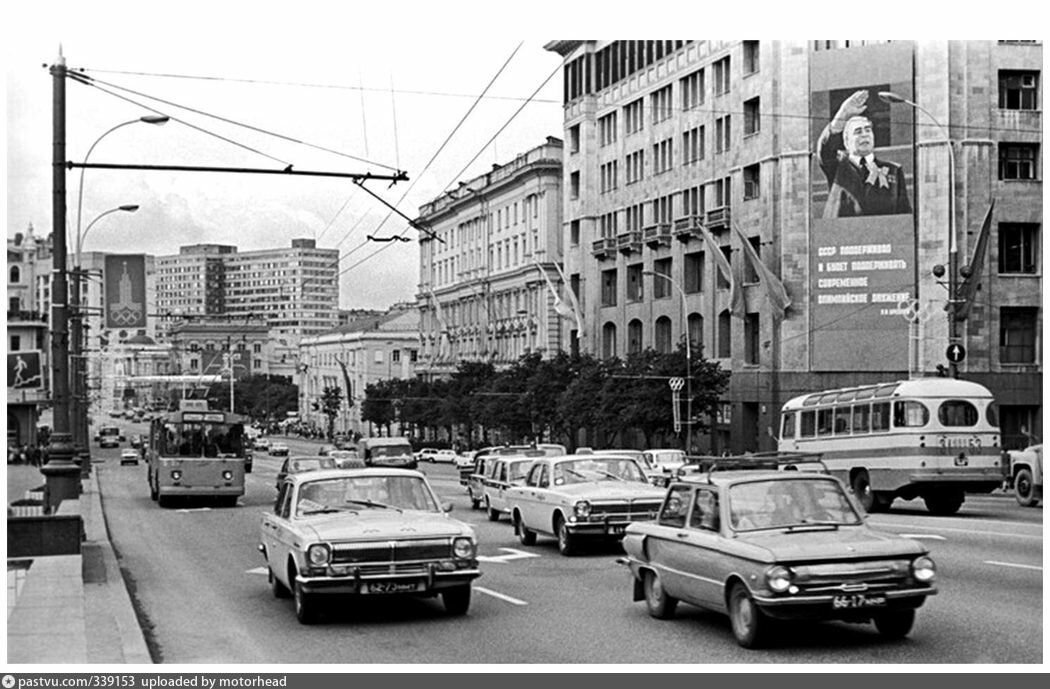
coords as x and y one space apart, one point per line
387 452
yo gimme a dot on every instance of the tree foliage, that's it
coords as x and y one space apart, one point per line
260 397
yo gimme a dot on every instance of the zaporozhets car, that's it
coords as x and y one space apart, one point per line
775 545
365 532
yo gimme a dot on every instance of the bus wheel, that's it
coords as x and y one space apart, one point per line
944 503
861 485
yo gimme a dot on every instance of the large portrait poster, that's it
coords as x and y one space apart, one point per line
125 276
862 229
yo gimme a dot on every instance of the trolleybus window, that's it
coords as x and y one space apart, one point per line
957 413
809 424
841 420
907 413
861 415
824 422
880 417
787 426
202 439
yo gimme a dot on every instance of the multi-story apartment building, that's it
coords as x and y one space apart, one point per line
27 345
491 247
680 152
191 283
365 350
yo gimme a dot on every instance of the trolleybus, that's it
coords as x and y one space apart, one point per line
196 452
930 438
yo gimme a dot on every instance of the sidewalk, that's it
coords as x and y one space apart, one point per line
71 608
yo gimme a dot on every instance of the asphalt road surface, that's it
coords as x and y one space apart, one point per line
199 584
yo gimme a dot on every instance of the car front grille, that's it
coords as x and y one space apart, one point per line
633 510
855 575
383 552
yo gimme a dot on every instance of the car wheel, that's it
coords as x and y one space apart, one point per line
660 605
305 607
279 590
526 536
944 503
1024 489
749 623
566 541
456 600
493 514
895 624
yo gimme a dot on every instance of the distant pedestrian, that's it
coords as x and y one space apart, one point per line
34 455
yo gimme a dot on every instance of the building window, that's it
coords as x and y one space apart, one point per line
660 102
752 116
16 343
750 273
574 185
607 224
1018 247
395 356
607 176
257 348
632 116
1018 90
663 156
722 137
607 129
751 334
662 286
574 138
752 176
722 282
694 273
692 90
634 217
634 282
696 330
634 337
1017 332
693 145
722 189
15 274
725 334
693 201
413 355
751 63
574 232
635 165
662 335
14 304
662 208
609 287
721 70
608 340
378 358
257 364
1018 161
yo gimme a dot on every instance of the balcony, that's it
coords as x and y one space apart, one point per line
629 242
687 227
603 248
658 234
718 218
26 318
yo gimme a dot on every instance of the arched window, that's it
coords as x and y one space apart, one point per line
634 336
16 274
663 335
608 340
725 335
696 331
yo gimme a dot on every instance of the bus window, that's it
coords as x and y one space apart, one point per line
865 394
880 417
809 424
824 417
861 415
992 414
957 413
886 390
908 413
787 425
841 420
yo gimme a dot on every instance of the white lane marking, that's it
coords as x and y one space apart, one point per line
930 536
501 596
933 527
257 570
512 554
1013 564
194 509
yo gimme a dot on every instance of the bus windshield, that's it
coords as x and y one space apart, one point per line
202 439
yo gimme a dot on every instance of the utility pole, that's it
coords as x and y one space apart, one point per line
61 472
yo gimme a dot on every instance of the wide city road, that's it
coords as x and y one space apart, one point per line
199 584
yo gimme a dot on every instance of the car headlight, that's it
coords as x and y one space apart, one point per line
582 508
318 554
923 569
463 548
176 474
228 475
778 579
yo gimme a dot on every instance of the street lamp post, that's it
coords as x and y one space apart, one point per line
688 360
953 249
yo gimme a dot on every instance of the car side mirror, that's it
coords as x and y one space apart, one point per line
446 507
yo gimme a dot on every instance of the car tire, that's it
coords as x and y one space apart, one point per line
566 541
305 605
660 605
279 590
493 514
1024 489
525 535
944 503
750 625
456 600
895 624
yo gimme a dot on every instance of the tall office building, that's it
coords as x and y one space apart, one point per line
682 157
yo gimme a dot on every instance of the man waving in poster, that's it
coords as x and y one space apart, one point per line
858 182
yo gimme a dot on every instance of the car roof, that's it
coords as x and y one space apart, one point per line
722 478
365 471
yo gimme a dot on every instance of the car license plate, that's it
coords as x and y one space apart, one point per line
391 587
615 530
857 600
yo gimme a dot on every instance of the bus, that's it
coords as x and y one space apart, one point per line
930 438
196 452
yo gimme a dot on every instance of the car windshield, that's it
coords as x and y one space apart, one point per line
365 492
596 468
391 450
310 464
804 501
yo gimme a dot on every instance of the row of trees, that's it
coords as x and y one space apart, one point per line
560 399
262 398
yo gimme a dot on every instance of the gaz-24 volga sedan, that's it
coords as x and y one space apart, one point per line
786 545
575 497
367 532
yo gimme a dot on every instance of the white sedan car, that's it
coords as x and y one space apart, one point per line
129 457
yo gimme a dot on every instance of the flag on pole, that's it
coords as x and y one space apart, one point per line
736 297
563 309
346 381
577 312
442 325
778 297
968 289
